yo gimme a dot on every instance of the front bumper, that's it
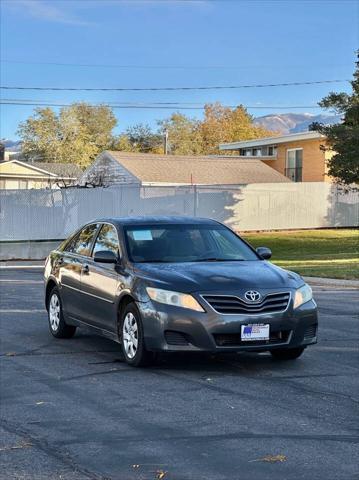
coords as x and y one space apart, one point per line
174 329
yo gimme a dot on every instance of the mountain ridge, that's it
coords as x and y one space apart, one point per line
286 123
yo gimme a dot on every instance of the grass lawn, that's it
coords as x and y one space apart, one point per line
315 253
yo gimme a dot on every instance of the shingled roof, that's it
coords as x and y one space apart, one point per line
62 170
205 170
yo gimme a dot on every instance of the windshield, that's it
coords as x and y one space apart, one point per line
185 243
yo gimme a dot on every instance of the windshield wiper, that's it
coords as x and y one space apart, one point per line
152 261
214 259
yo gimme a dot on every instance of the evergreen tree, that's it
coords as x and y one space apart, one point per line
343 138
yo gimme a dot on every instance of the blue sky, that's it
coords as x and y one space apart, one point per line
209 43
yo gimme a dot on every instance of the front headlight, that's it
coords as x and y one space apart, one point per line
302 295
177 299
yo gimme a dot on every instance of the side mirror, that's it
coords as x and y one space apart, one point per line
264 252
105 256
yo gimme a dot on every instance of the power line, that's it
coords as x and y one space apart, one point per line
140 103
157 106
153 89
151 67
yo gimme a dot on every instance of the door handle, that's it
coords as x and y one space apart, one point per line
85 269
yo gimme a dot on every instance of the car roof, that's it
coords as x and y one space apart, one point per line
162 219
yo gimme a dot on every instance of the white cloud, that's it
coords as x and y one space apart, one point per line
43 10
142 3
60 11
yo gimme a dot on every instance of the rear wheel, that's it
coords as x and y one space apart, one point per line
287 353
133 345
58 327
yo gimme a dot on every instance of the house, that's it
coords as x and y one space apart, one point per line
298 156
22 175
152 169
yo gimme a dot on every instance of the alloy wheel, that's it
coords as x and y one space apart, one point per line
54 312
130 335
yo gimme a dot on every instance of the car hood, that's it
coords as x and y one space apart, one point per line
217 276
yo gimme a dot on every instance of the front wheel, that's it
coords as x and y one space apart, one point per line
58 327
133 345
287 353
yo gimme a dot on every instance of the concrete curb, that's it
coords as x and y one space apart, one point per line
12 264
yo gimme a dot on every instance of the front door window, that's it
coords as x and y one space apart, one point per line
107 240
81 244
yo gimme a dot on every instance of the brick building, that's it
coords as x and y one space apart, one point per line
298 156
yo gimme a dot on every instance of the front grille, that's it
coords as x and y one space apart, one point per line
271 303
234 339
175 338
310 332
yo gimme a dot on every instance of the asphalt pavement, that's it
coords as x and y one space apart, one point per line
72 410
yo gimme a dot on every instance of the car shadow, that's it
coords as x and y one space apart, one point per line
203 363
243 363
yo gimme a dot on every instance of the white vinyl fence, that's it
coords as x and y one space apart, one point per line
54 214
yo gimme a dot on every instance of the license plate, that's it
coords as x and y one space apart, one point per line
255 332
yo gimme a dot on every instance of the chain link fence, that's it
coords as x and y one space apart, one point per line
54 214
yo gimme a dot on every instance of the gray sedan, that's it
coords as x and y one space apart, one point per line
169 284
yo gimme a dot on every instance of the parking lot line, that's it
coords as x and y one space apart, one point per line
35 310
21 267
28 282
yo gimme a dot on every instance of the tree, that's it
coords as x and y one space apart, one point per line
140 138
224 124
183 134
122 143
75 135
188 136
99 121
343 138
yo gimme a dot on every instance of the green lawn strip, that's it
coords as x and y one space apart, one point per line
320 253
340 272
328 269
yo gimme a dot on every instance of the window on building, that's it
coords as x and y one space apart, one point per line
294 164
257 152
245 152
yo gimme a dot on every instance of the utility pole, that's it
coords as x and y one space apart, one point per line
165 142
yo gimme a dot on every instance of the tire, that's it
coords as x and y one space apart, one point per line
287 353
132 339
57 325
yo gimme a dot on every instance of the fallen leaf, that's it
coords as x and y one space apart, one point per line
271 459
160 474
15 447
274 458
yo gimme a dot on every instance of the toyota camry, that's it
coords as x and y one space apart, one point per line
175 284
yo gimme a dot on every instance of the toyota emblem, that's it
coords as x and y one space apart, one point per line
252 296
